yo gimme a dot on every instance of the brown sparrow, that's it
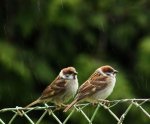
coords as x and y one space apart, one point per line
99 86
61 89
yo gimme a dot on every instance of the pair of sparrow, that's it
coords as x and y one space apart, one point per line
98 86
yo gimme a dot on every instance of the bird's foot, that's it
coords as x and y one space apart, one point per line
104 102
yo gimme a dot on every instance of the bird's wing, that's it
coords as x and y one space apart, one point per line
55 88
95 83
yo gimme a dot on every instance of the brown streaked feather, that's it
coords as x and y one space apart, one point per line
92 85
55 88
33 103
86 84
70 105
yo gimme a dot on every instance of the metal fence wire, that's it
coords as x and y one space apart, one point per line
79 109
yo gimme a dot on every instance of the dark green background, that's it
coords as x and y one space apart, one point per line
40 37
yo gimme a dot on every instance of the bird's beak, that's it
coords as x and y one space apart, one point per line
115 71
75 73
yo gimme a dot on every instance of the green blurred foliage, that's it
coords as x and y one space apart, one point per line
38 38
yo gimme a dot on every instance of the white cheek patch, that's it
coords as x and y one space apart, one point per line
62 75
111 74
101 72
70 77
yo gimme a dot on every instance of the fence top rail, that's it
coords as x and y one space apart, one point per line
50 110
78 105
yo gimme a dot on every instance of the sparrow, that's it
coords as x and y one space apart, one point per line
61 90
98 86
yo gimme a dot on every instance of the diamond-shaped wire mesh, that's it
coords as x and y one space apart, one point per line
49 110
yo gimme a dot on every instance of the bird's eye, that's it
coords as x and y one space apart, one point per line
108 74
67 75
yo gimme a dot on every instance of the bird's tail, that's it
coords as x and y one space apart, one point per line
70 105
33 103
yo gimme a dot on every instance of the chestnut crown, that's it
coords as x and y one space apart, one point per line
108 70
69 70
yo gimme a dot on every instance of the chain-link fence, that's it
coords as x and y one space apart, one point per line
50 111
